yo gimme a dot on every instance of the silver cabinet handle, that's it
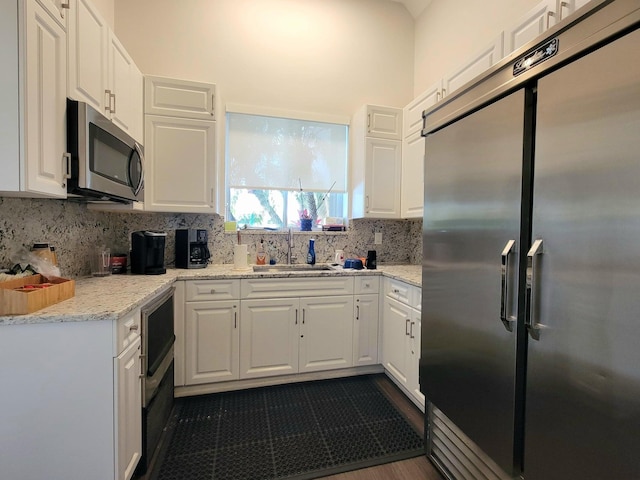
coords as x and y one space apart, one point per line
296 316
134 327
411 330
438 96
357 312
213 290
303 316
113 97
532 297
213 103
235 319
504 296
549 15
107 107
406 327
562 5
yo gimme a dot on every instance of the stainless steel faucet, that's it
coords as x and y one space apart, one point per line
290 257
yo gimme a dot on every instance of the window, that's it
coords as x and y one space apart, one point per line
279 170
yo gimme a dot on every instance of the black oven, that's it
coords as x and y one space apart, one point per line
158 337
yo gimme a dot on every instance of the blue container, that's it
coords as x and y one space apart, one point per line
311 256
305 224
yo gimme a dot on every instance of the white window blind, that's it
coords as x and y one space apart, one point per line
266 152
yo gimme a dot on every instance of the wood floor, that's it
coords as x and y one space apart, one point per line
419 468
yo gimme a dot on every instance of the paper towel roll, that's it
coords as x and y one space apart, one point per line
240 257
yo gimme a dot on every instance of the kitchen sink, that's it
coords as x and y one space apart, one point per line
290 268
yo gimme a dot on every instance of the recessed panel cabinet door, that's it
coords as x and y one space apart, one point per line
180 166
45 104
326 331
212 341
382 178
269 337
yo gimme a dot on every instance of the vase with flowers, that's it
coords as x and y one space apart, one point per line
305 221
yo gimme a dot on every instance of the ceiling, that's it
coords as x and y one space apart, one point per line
415 7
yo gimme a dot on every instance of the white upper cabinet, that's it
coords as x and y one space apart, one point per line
412 113
33 100
179 165
88 55
564 8
101 72
478 63
376 162
384 122
412 195
125 87
179 98
530 25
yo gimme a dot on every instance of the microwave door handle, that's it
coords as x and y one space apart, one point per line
138 187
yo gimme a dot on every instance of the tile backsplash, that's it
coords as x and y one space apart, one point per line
76 231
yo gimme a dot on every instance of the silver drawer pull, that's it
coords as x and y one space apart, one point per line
213 290
134 327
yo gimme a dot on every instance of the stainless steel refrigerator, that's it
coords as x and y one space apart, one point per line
530 359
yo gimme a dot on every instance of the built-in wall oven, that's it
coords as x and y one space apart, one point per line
157 366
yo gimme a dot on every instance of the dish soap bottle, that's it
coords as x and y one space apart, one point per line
311 255
261 255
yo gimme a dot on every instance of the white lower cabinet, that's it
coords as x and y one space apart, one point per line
366 320
129 407
401 332
295 335
207 326
269 337
74 398
212 342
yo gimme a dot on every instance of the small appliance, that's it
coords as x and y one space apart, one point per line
147 252
191 248
105 162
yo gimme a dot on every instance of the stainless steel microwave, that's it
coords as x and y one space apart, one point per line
106 163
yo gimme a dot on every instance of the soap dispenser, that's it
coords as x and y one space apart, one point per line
311 255
261 255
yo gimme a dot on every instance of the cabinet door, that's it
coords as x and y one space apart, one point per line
476 65
412 113
122 75
384 122
179 98
396 320
45 103
564 8
413 367
326 331
88 55
269 337
530 26
412 194
212 335
180 165
365 330
128 397
383 169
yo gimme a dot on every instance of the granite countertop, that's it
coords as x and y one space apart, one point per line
109 298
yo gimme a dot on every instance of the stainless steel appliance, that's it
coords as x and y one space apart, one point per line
147 252
157 334
531 267
192 250
106 163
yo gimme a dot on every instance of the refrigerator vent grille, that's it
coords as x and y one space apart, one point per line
456 455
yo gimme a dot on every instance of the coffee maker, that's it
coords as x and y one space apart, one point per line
147 252
191 248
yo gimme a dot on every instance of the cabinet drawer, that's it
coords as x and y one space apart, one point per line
127 330
201 290
366 285
398 290
296 287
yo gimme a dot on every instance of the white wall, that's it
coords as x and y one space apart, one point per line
106 9
450 31
324 56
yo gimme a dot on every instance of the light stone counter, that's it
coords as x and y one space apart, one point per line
109 298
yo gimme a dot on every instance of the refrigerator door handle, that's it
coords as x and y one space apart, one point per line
507 319
531 323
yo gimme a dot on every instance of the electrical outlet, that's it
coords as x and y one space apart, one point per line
378 238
